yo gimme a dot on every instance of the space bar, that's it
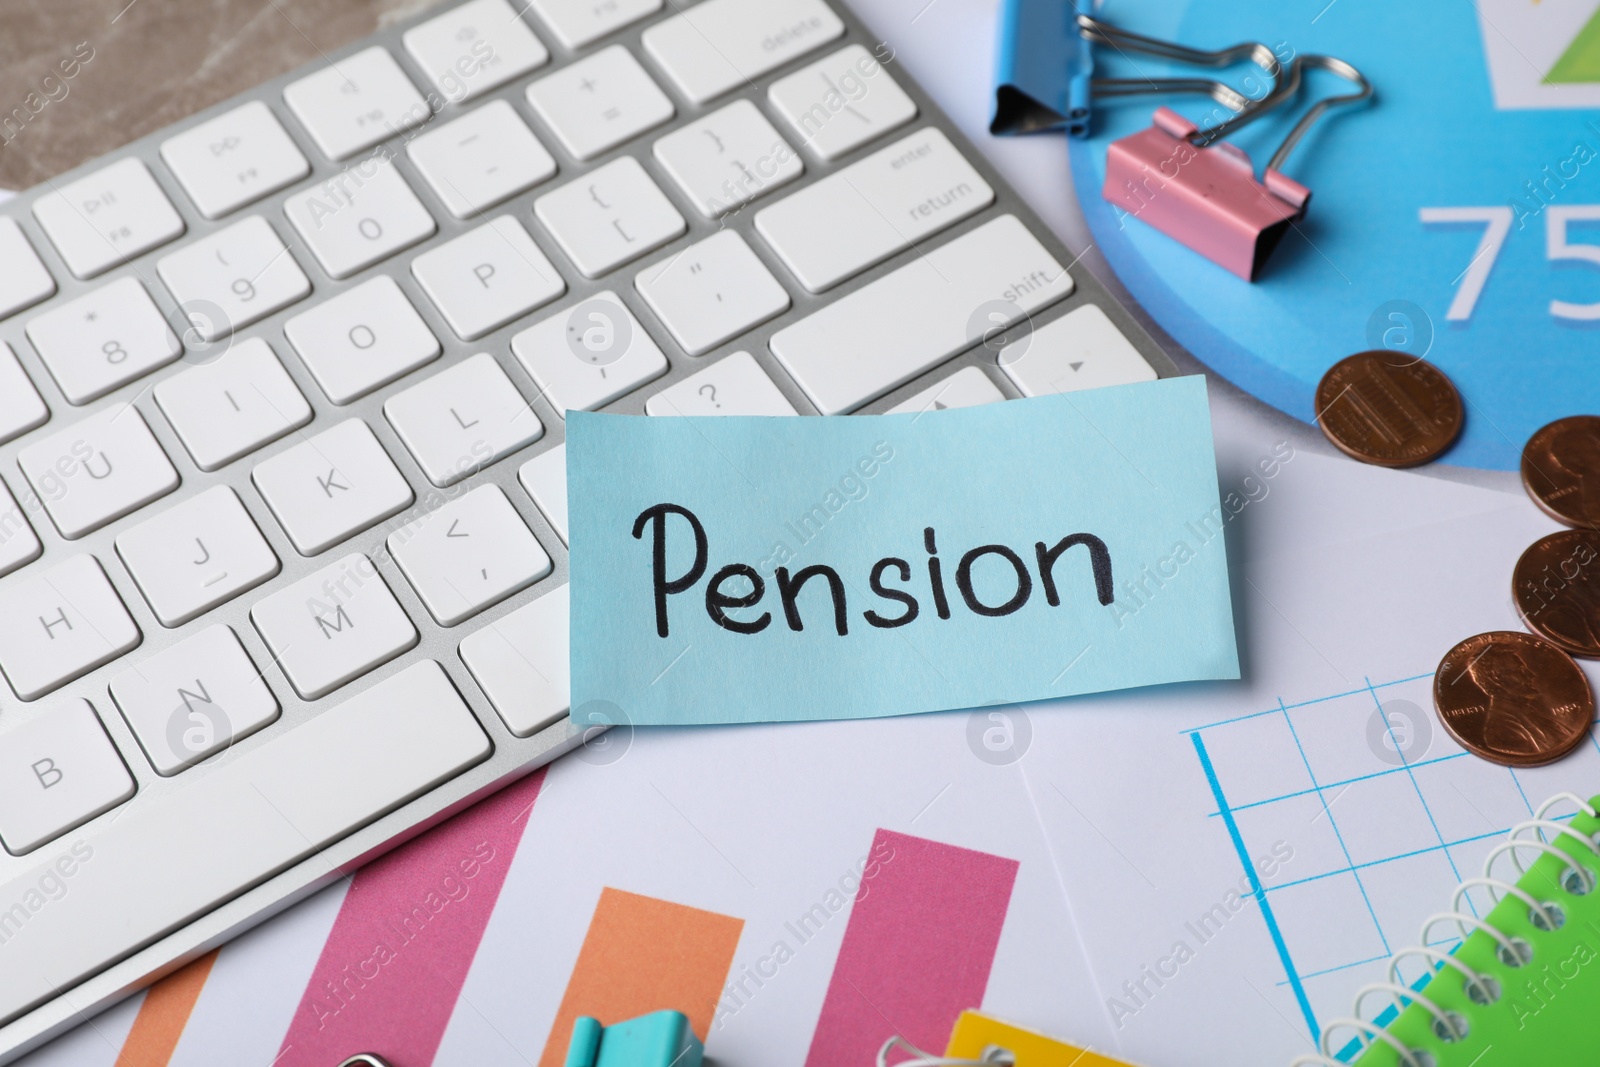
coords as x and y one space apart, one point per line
153 869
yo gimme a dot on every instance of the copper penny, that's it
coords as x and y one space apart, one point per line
1513 698
1384 408
1561 470
1556 585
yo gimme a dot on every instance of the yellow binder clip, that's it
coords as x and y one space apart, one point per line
979 1041
978 1036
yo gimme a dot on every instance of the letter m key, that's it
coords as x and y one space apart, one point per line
339 622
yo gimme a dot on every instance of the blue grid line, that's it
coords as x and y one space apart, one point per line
1333 823
1435 943
1342 967
1342 782
1520 791
1255 884
1389 726
1308 703
1386 859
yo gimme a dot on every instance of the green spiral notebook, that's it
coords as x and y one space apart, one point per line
1523 987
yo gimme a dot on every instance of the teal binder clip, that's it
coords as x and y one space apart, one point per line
660 1039
1044 74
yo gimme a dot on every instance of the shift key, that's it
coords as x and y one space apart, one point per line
891 330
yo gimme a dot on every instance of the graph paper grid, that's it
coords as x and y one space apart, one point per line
1386 813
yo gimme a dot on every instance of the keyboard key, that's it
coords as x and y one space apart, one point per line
1083 349
193 700
474 48
196 555
331 486
275 805
234 159
590 354
580 22
545 478
57 771
366 214
481 158
462 419
712 291
21 409
486 277
103 339
838 227
24 281
248 818
720 45
333 626
599 102
609 216
733 385
893 329
468 555
226 281
840 103
728 158
98 470
18 543
59 625
107 218
233 405
354 104
521 661
363 338
966 388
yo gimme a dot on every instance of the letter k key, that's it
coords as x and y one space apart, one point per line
331 482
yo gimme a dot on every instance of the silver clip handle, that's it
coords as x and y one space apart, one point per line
1103 33
1364 91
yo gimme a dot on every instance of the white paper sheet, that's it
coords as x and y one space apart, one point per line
1352 584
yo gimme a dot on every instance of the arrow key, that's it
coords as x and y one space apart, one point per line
966 388
1083 349
468 555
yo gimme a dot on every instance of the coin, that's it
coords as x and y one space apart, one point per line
1561 470
1384 408
1513 698
1556 585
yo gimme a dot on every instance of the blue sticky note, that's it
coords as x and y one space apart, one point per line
746 569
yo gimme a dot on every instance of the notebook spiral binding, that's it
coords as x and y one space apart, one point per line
1512 952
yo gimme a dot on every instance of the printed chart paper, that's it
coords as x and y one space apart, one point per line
753 569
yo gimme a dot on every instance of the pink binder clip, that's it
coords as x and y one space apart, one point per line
1195 188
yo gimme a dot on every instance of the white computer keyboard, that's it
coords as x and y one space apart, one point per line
282 488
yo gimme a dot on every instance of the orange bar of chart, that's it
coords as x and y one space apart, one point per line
642 955
163 1015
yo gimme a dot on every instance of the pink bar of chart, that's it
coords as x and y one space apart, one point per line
917 950
392 968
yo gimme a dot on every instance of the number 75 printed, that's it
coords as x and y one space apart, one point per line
1497 225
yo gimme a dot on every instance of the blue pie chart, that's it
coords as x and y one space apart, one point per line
1456 217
